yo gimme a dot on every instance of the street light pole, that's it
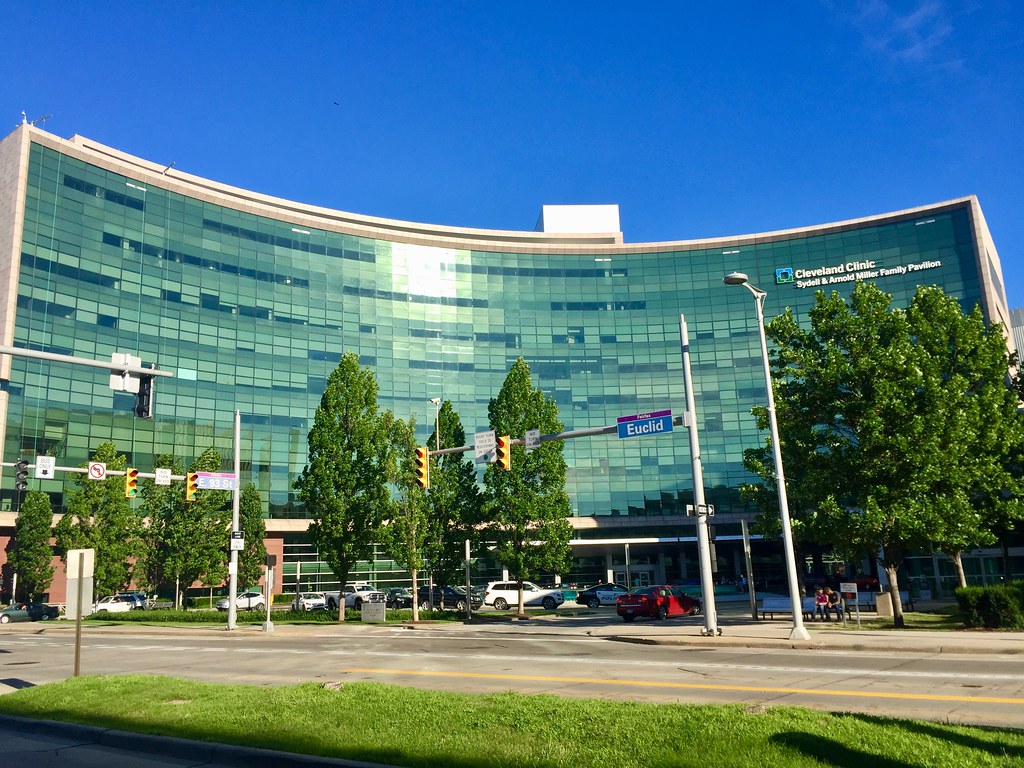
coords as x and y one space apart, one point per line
437 422
799 632
707 586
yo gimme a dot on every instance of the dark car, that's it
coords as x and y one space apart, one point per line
451 597
29 612
600 594
398 597
658 602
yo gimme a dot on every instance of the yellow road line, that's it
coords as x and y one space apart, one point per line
698 686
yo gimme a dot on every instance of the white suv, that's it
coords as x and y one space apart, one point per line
502 594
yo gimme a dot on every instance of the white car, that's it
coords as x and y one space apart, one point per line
502 594
309 601
114 604
354 595
245 601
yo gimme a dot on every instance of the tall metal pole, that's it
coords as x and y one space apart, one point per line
707 586
233 566
799 632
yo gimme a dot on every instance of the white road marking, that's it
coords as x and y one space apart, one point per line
682 665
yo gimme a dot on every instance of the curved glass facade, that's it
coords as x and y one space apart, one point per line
251 302
253 312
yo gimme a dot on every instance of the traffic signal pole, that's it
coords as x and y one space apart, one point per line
233 564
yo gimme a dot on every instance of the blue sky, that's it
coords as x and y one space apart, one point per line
698 119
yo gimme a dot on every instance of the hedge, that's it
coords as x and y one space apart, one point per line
996 607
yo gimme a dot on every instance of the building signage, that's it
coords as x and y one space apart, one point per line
655 423
847 272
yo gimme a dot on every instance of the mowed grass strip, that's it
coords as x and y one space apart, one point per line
412 727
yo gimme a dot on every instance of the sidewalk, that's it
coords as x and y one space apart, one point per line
747 633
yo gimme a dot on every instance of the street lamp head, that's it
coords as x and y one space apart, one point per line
735 278
435 400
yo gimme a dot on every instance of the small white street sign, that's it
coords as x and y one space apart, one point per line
484 443
45 467
237 541
97 470
163 476
532 439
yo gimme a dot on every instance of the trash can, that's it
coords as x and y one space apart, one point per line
883 604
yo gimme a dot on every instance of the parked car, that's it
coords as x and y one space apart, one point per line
354 595
502 594
656 602
245 601
397 598
114 604
139 600
600 594
28 612
309 601
451 597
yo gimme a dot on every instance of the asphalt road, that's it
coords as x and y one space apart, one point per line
540 656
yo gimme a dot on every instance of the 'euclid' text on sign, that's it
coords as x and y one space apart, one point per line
641 424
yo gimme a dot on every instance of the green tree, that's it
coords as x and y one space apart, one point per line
404 534
887 420
99 517
527 508
252 559
454 500
186 542
29 553
344 485
967 369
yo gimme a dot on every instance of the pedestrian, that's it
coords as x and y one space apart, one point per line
743 582
835 603
820 605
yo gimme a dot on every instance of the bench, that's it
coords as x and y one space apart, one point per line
772 605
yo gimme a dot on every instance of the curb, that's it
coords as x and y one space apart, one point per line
851 645
200 752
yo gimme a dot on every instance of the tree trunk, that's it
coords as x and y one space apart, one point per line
177 593
958 563
522 608
894 593
415 594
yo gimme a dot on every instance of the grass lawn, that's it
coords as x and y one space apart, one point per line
412 727
943 619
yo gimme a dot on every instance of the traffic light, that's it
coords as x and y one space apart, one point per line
21 475
191 486
503 452
144 398
131 483
423 466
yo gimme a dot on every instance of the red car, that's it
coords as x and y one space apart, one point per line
657 602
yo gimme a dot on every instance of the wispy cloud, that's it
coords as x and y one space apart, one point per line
913 32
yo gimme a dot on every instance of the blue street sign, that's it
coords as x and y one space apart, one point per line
641 424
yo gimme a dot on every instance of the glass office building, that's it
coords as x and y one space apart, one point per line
250 301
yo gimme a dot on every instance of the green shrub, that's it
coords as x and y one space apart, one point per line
1001 609
969 599
995 607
